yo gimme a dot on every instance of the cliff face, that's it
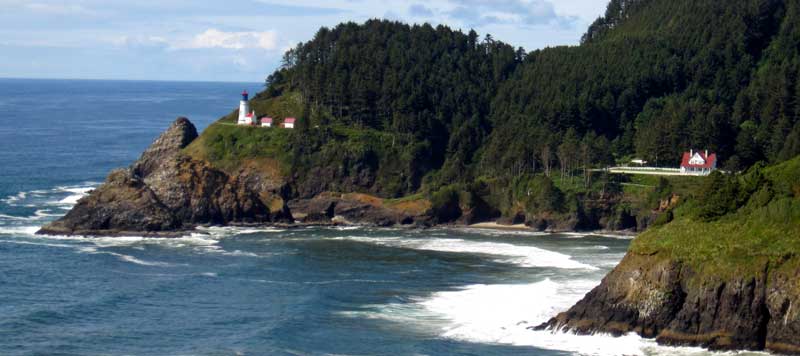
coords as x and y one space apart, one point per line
722 274
665 299
327 208
166 191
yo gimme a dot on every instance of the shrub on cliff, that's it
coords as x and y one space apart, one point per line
538 194
719 195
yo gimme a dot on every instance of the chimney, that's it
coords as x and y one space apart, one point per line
691 152
706 153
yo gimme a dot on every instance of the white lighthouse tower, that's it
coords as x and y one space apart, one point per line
245 117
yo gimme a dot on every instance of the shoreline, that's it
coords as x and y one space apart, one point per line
523 227
492 226
497 226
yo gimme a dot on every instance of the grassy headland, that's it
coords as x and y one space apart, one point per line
735 224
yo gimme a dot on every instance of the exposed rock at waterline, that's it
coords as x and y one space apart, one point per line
664 299
327 208
166 191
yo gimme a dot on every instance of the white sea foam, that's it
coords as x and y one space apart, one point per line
37 215
76 194
18 218
19 230
71 200
243 231
123 257
596 247
44 213
495 313
97 243
503 314
236 230
525 256
34 198
612 235
205 241
239 253
192 240
619 237
137 261
80 189
573 235
199 242
11 199
35 243
501 232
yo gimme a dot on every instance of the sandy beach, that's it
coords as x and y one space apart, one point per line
496 226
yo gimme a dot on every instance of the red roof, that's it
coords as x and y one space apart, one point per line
711 160
266 119
289 120
249 115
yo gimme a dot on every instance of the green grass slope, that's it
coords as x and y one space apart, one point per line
735 224
228 146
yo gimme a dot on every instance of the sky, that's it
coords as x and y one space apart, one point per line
243 40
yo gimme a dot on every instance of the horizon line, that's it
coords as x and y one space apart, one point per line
131 80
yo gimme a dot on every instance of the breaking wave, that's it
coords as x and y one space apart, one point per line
506 313
521 255
124 257
49 203
53 203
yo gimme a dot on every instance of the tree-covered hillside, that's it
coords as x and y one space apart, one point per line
390 108
431 88
656 78
652 77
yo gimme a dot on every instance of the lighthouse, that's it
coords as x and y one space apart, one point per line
245 117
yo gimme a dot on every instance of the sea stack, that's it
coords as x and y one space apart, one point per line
165 192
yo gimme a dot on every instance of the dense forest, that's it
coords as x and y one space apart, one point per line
651 79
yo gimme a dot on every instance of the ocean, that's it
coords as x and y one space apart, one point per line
235 291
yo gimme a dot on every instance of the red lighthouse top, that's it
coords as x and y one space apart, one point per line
244 95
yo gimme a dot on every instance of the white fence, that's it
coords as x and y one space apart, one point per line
655 171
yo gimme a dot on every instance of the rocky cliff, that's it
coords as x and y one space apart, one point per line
354 208
676 304
165 191
722 274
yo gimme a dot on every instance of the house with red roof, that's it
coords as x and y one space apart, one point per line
250 119
266 122
698 162
288 123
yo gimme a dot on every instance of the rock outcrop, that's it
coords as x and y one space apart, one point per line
165 147
664 299
331 208
165 191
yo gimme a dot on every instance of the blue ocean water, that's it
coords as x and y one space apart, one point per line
228 291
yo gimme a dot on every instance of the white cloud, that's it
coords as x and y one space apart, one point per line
220 42
519 12
586 10
214 38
